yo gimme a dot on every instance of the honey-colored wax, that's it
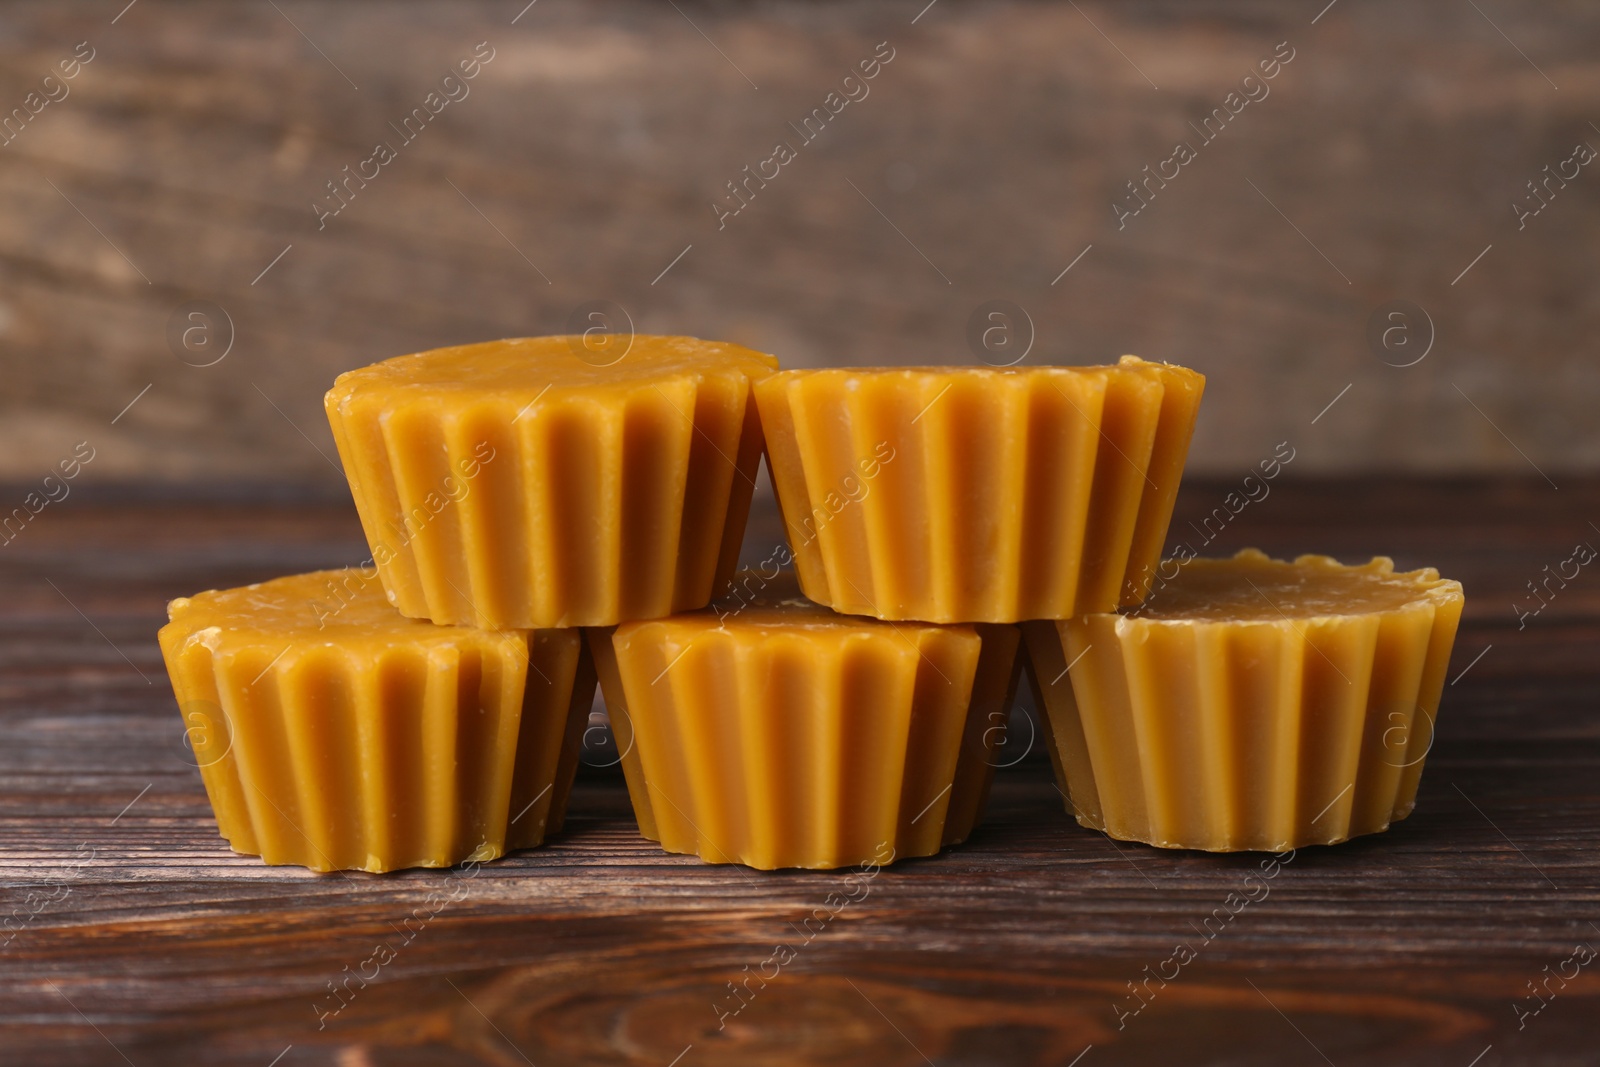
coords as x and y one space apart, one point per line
333 732
773 732
1249 703
976 494
553 481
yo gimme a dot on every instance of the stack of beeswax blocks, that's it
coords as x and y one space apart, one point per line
543 511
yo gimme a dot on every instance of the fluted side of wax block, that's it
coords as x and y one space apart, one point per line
786 747
558 694
974 494
1248 734
376 750
1061 725
580 505
622 732
983 745
1180 406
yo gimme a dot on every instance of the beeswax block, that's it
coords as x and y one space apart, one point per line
549 482
333 732
1249 703
974 494
773 732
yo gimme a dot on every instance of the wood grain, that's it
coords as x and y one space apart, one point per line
1407 948
592 147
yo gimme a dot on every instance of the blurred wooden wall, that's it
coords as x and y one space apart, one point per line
984 159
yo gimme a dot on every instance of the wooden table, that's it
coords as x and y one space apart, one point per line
145 940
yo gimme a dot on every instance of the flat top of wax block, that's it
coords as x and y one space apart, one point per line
522 364
1126 363
757 604
1252 587
343 607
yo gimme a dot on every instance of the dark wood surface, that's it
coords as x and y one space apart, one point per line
147 942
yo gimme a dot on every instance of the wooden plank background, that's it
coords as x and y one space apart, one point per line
187 154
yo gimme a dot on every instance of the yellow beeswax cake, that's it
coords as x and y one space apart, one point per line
552 481
975 494
1248 703
333 732
770 731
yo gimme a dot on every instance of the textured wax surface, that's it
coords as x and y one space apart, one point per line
332 732
1234 725
978 494
337 606
754 605
539 483
532 363
1250 586
772 732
